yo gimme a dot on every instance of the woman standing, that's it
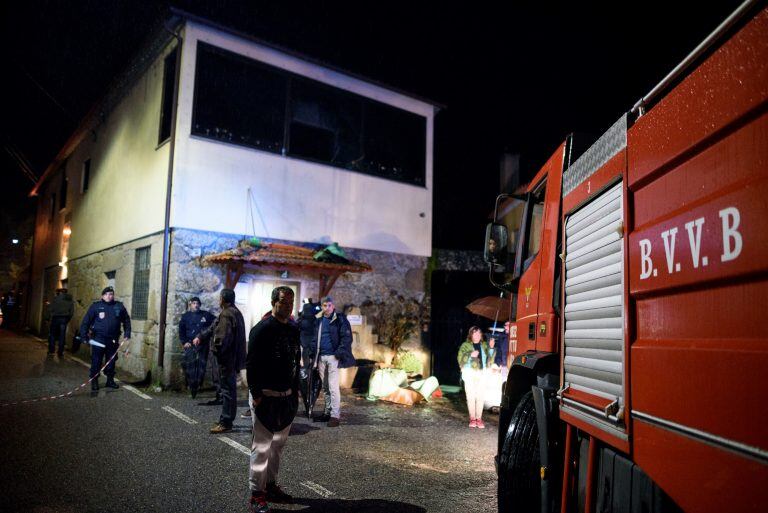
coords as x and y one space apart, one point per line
475 355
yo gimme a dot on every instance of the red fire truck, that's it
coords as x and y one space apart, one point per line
641 278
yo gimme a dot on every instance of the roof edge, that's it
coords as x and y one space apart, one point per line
153 44
293 53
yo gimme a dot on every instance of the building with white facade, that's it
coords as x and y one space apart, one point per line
211 137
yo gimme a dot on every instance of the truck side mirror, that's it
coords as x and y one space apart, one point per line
496 243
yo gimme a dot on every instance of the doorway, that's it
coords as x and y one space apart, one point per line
254 298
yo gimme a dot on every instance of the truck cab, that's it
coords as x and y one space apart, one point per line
640 272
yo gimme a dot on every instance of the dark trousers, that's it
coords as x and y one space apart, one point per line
215 377
98 354
228 379
194 363
58 330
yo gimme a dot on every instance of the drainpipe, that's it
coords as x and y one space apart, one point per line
167 225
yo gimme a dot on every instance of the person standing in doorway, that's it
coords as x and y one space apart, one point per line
274 358
475 355
60 311
101 327
195 359
228 332
333 345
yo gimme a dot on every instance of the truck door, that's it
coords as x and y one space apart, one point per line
536 317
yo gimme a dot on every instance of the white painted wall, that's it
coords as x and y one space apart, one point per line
126 195
298 200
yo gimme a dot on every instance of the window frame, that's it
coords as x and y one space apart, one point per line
419 177
85 176
141 283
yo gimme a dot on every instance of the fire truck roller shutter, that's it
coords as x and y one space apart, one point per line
594 334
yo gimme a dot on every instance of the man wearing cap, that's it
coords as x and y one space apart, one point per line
333 351
228 332
101 327
195 360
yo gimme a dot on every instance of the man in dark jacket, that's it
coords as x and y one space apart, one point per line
101 328
333 351
228 332
195 359
272 368
60 310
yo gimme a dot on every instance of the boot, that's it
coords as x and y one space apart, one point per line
111 382
95 384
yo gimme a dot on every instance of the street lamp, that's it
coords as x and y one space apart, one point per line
14 241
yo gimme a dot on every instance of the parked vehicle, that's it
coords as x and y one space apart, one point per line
641 274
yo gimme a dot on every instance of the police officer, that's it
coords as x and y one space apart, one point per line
101 327
195 360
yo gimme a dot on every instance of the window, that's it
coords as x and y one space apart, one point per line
86 178
140 302
395 143
242 101
63 191
169 86
325 125
238 100
535 225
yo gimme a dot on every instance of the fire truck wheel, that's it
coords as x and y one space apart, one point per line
519 485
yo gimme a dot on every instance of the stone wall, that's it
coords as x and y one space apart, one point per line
87 277
189 276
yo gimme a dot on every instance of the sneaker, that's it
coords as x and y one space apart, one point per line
277 494
472 423
258 504
219 428
111 383
480 423
246 414
321 418
333 422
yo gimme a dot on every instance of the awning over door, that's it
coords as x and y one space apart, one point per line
283 257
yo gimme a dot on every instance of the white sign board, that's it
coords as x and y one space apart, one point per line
355 320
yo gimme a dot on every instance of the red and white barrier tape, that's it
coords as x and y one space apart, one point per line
71 392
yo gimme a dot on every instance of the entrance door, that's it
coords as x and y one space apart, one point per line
254 298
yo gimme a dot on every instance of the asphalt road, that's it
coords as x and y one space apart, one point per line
130 450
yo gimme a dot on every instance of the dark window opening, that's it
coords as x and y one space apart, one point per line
86 175
140 302
169 86
326 125
395 143
238 100
242 101
63 192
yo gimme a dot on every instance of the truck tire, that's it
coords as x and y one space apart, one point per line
519 463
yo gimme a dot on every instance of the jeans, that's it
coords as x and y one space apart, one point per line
328 366
266 449
100 353
58 330
228 380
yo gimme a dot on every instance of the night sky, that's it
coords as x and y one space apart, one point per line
515 78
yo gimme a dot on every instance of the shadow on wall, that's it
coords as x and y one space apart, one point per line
385 240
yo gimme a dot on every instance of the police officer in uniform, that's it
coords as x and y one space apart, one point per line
101 327
195 360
